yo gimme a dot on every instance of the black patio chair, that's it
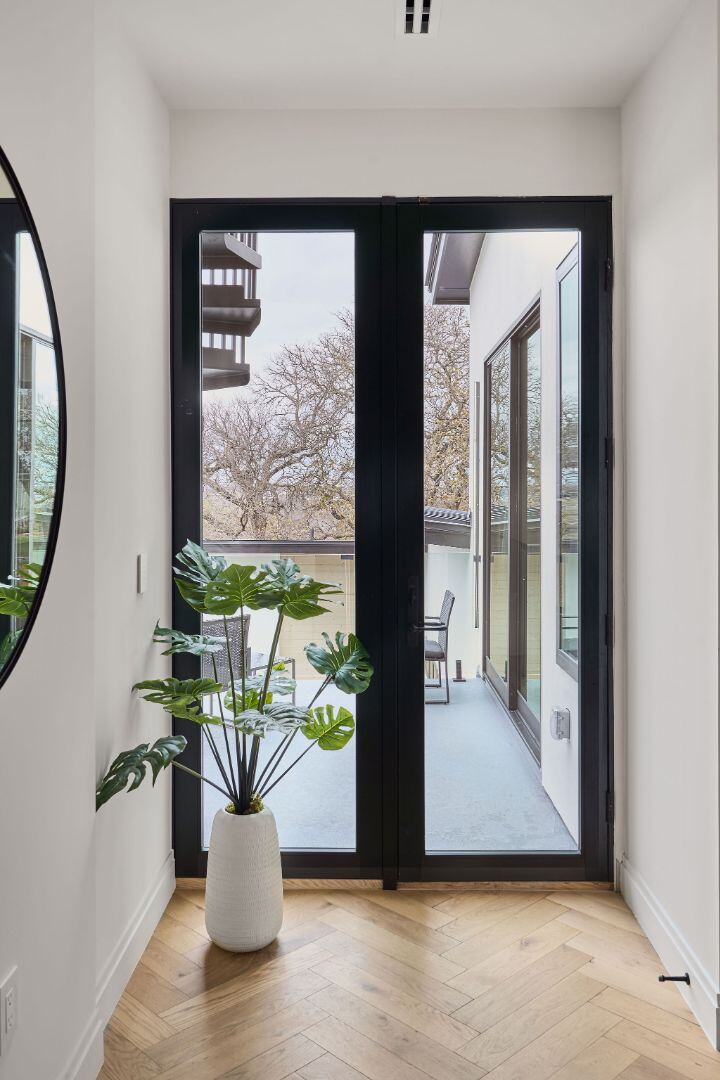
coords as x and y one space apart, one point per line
214 628
436 652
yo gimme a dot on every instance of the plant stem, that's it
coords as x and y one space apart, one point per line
243 673
218 762
236 788
254 753
284 745
292 765
199 776
241 761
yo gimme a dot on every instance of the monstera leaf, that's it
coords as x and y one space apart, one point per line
194 644
274 717
293 594
279 684
18 596
7 644
346 662
133 764
179 697
196 570
236 587
330 729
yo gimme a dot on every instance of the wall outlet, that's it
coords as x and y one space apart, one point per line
8 1010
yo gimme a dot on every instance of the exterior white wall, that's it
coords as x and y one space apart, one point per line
670 187
513 270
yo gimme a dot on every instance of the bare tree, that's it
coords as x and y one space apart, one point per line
279 457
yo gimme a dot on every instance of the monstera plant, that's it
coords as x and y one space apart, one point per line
235 719
17 597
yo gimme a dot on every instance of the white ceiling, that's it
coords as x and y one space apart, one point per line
319 54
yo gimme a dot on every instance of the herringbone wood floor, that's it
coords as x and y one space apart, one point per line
408 985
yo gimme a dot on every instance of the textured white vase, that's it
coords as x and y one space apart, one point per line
243 892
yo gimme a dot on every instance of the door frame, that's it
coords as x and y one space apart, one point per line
390 513
592 218
188 218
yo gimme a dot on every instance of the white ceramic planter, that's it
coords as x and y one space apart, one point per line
243 893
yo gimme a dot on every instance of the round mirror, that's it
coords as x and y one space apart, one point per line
32 421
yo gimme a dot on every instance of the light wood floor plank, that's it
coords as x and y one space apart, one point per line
558 1046
438 967
523 984
640 985
260 1006
237 1045
528 1023
363 1054
412 1046
395 923
658 1020
513 958
491 940
441 1027
279 1062
395 972
123 1060
665 1051
602 1060
328 1067
509 996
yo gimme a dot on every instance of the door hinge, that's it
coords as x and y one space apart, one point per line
610 807
609 630
608 274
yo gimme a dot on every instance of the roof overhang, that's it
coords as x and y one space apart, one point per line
451 265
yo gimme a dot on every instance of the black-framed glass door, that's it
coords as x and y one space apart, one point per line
410 520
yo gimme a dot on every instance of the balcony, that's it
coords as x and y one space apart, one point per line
483 788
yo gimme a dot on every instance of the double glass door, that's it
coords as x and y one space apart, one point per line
374 389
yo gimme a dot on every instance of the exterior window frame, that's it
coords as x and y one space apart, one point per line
522 716
564 659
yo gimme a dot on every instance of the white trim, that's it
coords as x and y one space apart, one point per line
674 950
87 1058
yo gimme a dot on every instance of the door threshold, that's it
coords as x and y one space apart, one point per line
507 886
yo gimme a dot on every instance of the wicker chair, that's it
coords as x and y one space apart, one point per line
214 628
436 651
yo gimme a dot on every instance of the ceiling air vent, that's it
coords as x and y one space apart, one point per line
418 16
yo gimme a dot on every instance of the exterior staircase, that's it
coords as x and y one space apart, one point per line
230 307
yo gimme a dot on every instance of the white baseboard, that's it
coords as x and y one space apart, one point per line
87 1059
674 950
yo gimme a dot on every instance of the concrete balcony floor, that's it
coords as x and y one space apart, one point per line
483 788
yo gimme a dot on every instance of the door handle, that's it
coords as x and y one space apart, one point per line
413 593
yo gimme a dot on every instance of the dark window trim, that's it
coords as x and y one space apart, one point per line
563 658
522 716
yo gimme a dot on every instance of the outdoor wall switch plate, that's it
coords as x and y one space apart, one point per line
141 573
560 723
8 1010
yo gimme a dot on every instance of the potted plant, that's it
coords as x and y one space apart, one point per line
243 902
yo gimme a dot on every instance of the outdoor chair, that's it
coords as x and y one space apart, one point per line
215 628
436 651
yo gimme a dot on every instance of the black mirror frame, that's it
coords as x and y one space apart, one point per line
12 179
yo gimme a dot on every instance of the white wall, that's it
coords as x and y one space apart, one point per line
134 870
670 188
79 894
47 708
513 269
394 152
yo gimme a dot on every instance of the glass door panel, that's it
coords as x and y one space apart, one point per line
278 429
498 510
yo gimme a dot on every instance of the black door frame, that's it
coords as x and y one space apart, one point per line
592 219
389 533
363 217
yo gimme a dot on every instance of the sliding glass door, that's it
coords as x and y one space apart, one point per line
382 391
